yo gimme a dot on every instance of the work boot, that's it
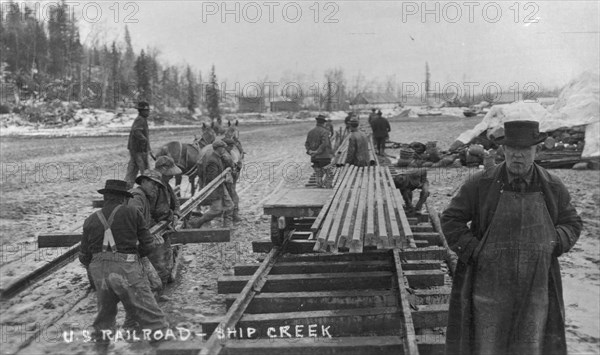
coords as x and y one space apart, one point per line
236 216
197 222
227 219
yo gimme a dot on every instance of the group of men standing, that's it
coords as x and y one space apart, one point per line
117 240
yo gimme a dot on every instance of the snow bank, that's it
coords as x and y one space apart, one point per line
578 104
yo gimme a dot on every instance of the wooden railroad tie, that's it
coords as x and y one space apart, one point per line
362 304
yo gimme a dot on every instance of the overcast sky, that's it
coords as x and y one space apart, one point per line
546 42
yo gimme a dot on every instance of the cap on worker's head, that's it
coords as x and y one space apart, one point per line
379 113
373 109
321 118
118 187
143 105
166 166
149 174
219 144
522 134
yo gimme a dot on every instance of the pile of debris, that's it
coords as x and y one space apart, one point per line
572 124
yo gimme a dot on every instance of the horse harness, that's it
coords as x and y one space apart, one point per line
193 170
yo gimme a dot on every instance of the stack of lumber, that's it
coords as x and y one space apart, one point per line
364 210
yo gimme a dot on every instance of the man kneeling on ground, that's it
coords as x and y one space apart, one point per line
408 182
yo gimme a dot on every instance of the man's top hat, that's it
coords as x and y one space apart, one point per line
151 175
118 187
522 134
321 118
143 105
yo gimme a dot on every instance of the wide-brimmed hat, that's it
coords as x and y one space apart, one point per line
522 134
321 118
166 166
118 187
143 105
151 175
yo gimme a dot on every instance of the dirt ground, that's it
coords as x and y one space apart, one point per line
47 185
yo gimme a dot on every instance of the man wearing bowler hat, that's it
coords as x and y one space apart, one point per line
318 146
138 144
507 293
114 239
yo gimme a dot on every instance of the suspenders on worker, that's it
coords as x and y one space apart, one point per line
109 240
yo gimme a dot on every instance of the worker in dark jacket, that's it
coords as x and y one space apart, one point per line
358 146
409 181
236 167
372 115
167 209
507 292
220 200
144 199
138 144
318 146
381 131
113 240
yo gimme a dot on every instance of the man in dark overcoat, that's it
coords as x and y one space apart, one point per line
507 292
138 144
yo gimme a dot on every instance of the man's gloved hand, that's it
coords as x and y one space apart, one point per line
174 221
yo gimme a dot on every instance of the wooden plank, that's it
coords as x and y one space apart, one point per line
40 273
184 236
320 218
370 227
381 222
421 265
339 322
194 236
339 212
432 238
297 202
425 278
373 345
276 302
322 233
434 295
350 216
422 227
369 345
430 316
392 208
236 311
407 322
429 253
357 236
57 240
302 267
298 246
311 282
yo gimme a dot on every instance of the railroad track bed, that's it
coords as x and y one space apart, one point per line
315 292
297 301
